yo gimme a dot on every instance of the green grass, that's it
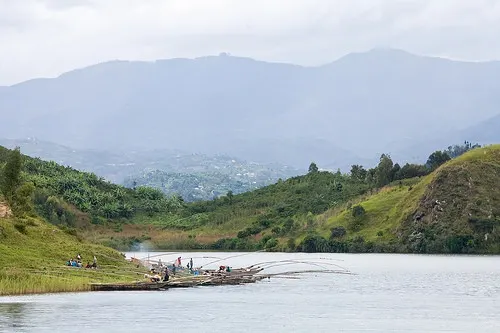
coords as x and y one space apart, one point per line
384 212
34 253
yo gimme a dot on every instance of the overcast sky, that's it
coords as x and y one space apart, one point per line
43 38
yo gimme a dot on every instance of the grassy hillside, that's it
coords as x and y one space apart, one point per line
451 210
34 253
460 208
246 221
455 209
414 208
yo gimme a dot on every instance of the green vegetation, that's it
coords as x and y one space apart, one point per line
199 186
389 208
34 254
59 190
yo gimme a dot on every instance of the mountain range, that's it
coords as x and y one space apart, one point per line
348 111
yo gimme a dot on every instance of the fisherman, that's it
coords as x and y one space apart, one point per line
94 264
179 264
166 277
191 264
79 257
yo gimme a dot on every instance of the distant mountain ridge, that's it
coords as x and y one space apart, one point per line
374 102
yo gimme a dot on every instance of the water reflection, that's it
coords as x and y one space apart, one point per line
13 315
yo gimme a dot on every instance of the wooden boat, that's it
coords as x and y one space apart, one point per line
128 286
208 278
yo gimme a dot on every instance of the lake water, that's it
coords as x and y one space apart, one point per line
388 293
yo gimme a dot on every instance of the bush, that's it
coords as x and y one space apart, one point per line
358 211
460 243
243 234
149 193
265 223
69 231
271 243
21 228
276 230
314 243
338 232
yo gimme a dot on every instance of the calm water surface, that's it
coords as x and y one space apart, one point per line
389 293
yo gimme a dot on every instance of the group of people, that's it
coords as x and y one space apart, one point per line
161 272
178 264
78 262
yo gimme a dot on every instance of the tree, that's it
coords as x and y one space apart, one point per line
358 172
394 171
436 159
19 195
313 168
383 171
411 171
230 196
11 175
457 150
23 200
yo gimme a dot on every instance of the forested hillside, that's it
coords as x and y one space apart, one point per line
34 253
392 208
66 196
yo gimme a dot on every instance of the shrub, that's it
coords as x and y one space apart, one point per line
338 232
264 223
271 243
358 211
276 230
21 228
314 243
243 233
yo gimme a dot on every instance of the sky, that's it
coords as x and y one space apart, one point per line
44 38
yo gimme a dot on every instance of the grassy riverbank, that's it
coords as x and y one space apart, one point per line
33 254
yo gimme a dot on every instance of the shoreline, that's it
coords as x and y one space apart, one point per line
62 279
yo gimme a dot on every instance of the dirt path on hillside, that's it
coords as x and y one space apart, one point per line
4 210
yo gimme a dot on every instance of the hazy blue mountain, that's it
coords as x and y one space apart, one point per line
341 113
485 133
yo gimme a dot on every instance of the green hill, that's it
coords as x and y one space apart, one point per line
70 197
34 253
432 208
451 210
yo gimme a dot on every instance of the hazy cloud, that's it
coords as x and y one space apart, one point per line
47 37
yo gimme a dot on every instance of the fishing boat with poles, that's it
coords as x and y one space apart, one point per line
165 277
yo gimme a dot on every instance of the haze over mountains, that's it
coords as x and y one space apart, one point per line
193 176
348 111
